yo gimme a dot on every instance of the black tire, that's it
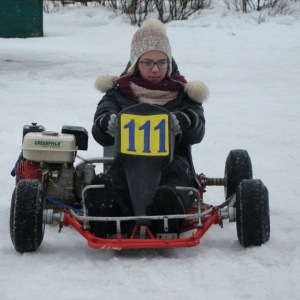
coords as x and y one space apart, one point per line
252 213
26 216
237 168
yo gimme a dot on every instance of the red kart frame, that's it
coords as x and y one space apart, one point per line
150 241
197 222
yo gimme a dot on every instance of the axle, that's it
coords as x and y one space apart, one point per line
215 181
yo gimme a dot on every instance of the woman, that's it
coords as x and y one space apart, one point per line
151 77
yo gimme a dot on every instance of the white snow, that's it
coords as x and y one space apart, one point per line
253 72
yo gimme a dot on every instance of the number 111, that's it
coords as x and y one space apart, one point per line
148 133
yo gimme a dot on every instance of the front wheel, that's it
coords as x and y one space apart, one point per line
252 213
26 216
237 168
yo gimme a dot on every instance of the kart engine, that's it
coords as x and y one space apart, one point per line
49 157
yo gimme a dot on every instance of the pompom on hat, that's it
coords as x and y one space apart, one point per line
151 36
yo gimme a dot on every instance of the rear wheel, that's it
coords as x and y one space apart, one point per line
26 216
252 213
237 168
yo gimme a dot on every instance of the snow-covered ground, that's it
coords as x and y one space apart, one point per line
253 72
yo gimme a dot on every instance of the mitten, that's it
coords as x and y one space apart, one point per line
108 122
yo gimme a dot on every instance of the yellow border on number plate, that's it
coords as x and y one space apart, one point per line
145 135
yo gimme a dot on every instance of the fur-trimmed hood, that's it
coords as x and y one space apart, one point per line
196 90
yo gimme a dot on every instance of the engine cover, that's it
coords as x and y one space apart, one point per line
29 170
49 146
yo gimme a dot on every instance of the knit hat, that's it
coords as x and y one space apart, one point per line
151 36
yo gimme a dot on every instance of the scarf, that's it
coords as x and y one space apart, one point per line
142 91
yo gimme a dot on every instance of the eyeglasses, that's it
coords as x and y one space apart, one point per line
149 64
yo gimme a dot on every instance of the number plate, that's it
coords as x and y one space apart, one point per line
145 135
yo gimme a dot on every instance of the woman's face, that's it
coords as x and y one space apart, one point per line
154 74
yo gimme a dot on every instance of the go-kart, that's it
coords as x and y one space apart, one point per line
51 190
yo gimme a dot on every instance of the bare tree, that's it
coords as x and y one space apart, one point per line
277 6
178 9
137 10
